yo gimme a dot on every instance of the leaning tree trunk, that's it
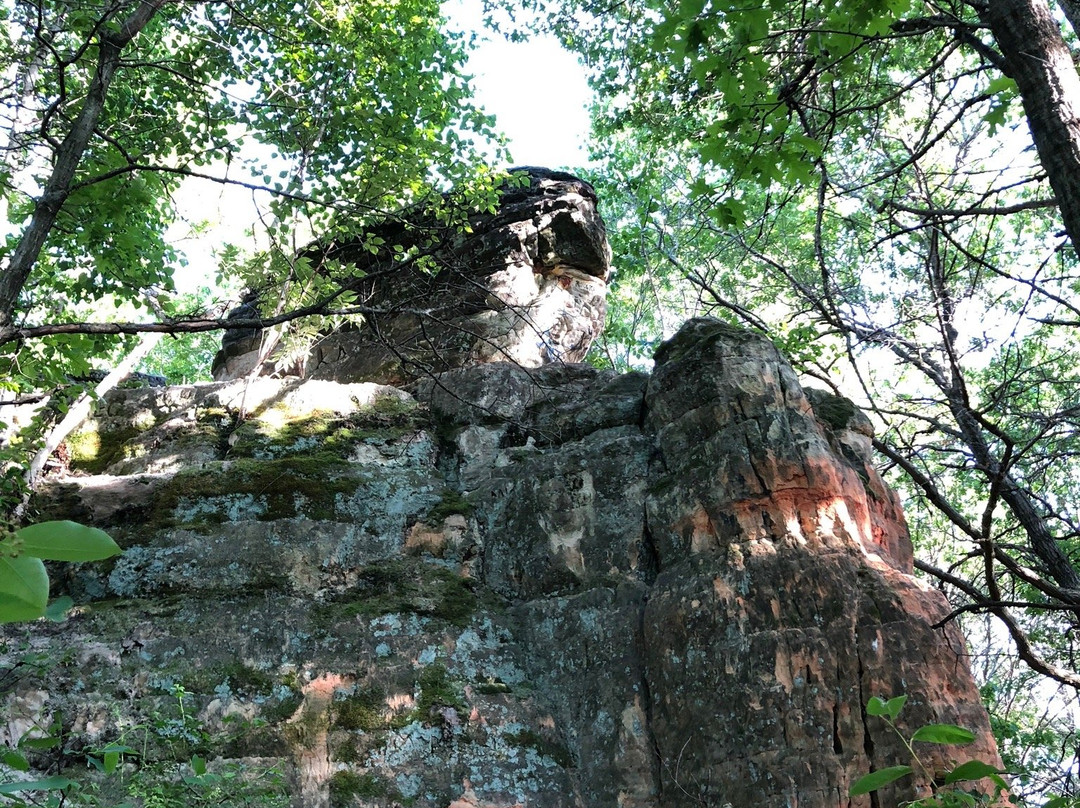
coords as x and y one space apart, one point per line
1038 59
67 159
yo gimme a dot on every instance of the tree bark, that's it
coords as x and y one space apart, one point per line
1038 59
1071 8
68 157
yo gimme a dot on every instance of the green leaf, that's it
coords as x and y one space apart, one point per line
66 541
48 784
875 780
943 733
44 742
14 760
890 708
57 610
198 765
1059 802
24 589
972 770
110 760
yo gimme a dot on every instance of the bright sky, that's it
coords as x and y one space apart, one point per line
536 90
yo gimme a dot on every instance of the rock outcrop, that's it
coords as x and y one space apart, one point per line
524 283
508 586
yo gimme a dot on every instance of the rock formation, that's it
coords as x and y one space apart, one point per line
544 586
525 284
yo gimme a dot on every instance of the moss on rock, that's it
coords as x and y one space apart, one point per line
281 433
836 411
405 585
362 710
452 503
92 450
263 489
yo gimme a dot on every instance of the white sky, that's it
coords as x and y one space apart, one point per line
536 90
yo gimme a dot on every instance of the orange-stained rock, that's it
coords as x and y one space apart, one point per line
784 599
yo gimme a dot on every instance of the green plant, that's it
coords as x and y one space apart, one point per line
159 763
949 793
24 584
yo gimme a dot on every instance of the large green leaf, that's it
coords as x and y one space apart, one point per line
24 589
972 770
943 733
875 780
48 784
66 541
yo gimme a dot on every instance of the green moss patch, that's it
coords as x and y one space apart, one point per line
405 586
452 503
348 788
544 746
836 411
93 451
436 690
362 710
388 418
263 489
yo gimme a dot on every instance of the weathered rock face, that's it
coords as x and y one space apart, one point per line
525 284
533 587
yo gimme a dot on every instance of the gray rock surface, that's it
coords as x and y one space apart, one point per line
536 587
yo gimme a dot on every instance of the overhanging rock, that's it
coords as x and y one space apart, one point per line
525 284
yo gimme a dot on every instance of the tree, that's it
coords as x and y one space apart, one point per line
335 110
332 113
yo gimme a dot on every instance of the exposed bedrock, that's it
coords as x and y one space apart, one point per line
550 586
525 284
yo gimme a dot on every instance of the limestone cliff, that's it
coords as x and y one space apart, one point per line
546 587
499 584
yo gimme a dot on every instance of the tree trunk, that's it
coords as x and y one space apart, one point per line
68 156
1039 61
1072 13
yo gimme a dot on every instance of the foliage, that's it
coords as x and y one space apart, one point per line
151 764
832 175
186 358
829 174
332 115
24 584
949 793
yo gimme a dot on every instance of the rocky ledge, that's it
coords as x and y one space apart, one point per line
524 282
507 586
